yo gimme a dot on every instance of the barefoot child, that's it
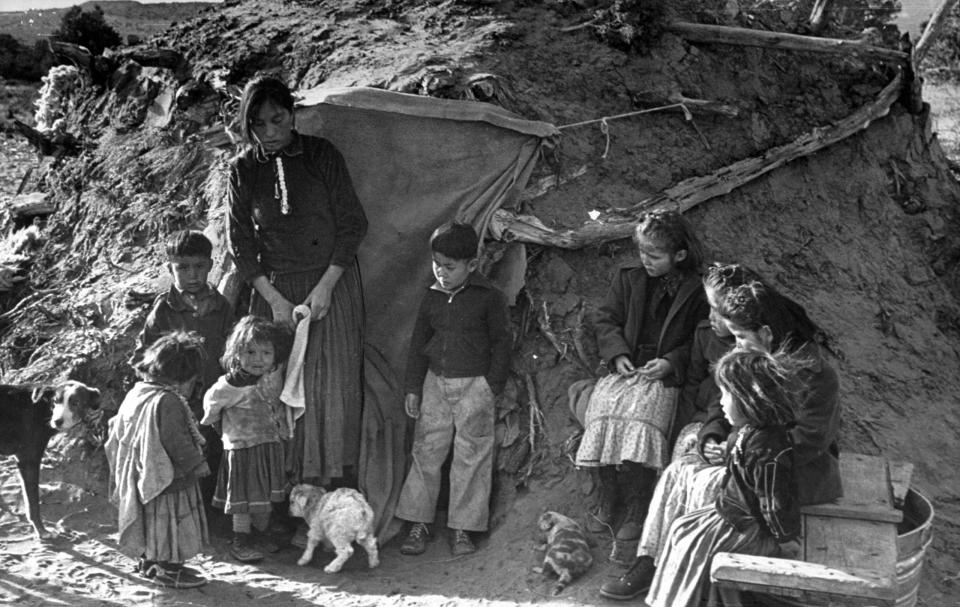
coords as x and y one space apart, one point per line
459 356
156 458
644 329
758 507
246 405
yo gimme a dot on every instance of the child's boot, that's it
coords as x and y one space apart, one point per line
242 549
601 517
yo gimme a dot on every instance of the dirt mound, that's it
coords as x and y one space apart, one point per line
864 234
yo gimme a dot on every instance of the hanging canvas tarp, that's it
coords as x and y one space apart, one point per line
416 162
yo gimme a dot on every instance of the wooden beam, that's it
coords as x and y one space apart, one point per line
619 223
721 34
933 28
798 579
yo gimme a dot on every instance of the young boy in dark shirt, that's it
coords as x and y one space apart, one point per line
458 362
192 305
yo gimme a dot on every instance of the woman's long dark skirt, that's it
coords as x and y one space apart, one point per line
327 436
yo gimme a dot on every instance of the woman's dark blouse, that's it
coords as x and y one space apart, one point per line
324 226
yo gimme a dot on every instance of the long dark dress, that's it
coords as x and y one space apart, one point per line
292 215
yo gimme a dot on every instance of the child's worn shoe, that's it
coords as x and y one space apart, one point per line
416 541
242 549
461 543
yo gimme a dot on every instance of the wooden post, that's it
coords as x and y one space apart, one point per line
699 32
932 30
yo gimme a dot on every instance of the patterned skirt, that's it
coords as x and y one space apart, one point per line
682 578
175 526
327 437
689 483
627 419
251 479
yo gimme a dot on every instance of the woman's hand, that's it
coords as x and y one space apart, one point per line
321 295
658 368
411 405
623 365
319 300
281 308
713 451
282 312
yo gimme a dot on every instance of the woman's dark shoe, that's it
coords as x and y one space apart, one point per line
416 540
633 583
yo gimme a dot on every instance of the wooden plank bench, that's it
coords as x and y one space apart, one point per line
849 547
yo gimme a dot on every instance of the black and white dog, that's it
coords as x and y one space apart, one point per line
29 417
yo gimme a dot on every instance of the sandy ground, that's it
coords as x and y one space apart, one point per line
82 566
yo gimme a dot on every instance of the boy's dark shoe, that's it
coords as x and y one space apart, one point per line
416 541
461 543
242 548
633 583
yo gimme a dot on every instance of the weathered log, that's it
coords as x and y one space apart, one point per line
98 66
79 55
933 28
61 144
699 32
619 223
163 58
28 205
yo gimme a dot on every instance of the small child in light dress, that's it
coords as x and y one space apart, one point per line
245 404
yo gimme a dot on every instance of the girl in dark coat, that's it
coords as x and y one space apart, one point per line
644 331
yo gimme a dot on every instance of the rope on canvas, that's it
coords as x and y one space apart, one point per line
605 121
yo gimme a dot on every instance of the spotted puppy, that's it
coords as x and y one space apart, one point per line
567 548
337 519
29 417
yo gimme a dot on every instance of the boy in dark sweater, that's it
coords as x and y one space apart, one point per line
458 362
192 305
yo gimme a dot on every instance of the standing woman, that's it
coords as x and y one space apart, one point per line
295 224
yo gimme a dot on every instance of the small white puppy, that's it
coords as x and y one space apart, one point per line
337 519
